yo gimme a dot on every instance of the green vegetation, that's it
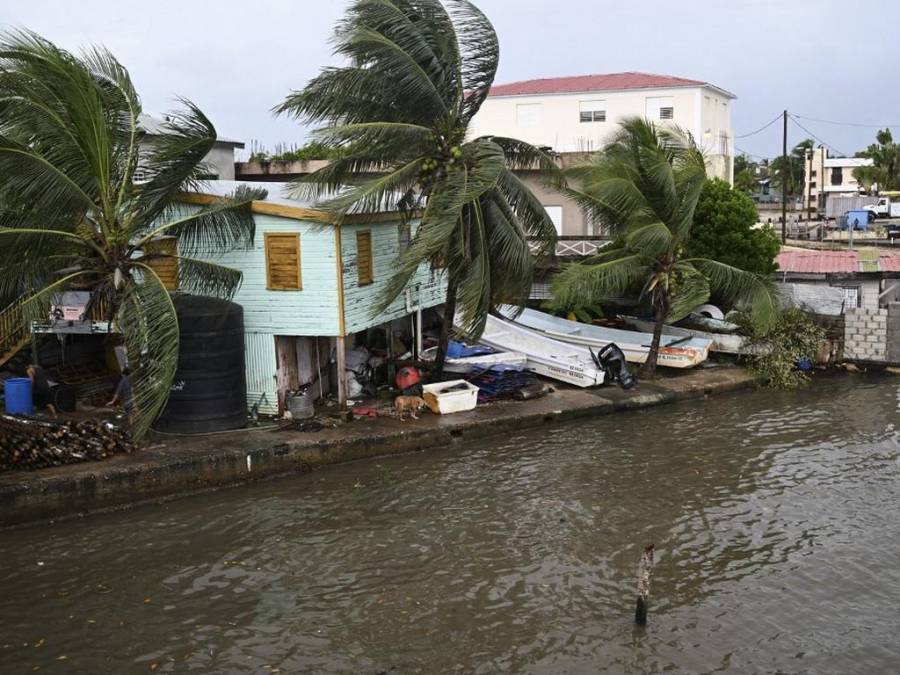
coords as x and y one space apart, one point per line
790 177
645 186
418 74
73 216
744 174
885 169
725 229
304 153
789 339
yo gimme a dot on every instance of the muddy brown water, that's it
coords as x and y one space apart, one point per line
776 519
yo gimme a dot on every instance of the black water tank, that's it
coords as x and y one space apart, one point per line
209 392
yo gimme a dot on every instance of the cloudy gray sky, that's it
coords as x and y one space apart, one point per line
824 59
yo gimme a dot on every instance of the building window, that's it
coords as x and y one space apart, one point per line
166 267
528 114
283 262
592 111
812 174
364 266
837 176
812 183
851 296
556 216
660 108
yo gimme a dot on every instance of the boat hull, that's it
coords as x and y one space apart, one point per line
724 343
546 356
468 364
674 352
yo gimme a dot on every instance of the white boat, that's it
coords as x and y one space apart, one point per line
725 343
548 357
467 364
675 351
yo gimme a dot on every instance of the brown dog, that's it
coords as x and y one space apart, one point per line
410 404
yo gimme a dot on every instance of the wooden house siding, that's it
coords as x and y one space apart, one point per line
310 311
426 289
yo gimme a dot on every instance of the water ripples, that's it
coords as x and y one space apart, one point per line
771 513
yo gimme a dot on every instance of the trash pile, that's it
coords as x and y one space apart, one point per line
502 381
30 444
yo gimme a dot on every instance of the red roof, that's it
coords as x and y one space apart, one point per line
888 262
818 262
585 83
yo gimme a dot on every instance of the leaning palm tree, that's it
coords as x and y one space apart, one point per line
644 187
85 196
418 72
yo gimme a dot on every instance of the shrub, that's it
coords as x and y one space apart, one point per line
725 230
792 338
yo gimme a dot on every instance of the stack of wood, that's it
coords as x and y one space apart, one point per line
32 444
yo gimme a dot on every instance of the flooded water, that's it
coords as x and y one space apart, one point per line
775 518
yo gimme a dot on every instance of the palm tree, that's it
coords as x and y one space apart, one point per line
418 73
645 186
84 196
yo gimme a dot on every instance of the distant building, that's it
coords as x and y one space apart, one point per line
829 176
220 159
576 115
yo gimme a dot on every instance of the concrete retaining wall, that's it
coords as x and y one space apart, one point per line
893 332
866 335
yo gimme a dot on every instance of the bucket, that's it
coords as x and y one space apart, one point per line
17 392
301 407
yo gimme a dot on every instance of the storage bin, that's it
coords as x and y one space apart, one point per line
454 396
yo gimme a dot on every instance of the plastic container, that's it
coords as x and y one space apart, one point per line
17 392
454 396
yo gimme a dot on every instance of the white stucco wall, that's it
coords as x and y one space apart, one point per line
554 119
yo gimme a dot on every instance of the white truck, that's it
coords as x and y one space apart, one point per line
885 207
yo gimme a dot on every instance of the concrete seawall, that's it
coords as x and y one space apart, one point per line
172 467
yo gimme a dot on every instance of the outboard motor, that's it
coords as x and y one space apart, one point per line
612 360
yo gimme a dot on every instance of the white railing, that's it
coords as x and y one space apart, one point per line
574 247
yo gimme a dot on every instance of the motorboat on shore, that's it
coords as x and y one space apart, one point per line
545 355
725 343
675 351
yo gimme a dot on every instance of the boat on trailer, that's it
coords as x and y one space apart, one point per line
545 355
725 343
675 351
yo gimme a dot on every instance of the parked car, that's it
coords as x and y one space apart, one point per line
892 230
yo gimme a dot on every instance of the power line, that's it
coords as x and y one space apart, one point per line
749 154
846 124
753 133
828 145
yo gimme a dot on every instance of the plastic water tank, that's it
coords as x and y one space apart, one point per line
209 392
17 394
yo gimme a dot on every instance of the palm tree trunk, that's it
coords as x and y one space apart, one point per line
649 368
446 328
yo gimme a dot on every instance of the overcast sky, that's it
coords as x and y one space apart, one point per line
818 58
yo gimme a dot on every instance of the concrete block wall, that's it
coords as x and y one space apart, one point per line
866 335
893 332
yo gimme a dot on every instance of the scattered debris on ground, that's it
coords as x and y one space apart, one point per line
33 444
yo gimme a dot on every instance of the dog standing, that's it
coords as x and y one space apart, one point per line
410 404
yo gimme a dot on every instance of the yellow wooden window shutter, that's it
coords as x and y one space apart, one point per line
283 262
166 268
364 265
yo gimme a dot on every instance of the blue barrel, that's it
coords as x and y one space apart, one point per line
17 392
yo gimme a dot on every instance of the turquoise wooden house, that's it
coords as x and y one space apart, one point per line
310 286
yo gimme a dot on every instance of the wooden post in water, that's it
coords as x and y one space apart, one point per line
645 569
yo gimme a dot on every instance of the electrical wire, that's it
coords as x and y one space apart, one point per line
845 124
753 133
749 154
827 145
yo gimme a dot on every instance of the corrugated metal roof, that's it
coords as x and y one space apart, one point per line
840 262
586 83
889 262
818 262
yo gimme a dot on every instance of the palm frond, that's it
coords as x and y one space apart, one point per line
201 277
581 283
383 192
479 51
691 290
746 289
149 325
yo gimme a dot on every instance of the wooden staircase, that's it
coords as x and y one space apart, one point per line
14 334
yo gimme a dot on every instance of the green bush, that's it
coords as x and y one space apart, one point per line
724 230
792 338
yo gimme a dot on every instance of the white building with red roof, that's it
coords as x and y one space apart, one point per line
577 115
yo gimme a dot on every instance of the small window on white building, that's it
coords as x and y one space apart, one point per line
529 114
556 215
592 111
660 108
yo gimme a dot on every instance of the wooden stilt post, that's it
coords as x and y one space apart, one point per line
342 371
645 570
418 334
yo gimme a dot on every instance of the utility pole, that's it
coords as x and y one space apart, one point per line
784 167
